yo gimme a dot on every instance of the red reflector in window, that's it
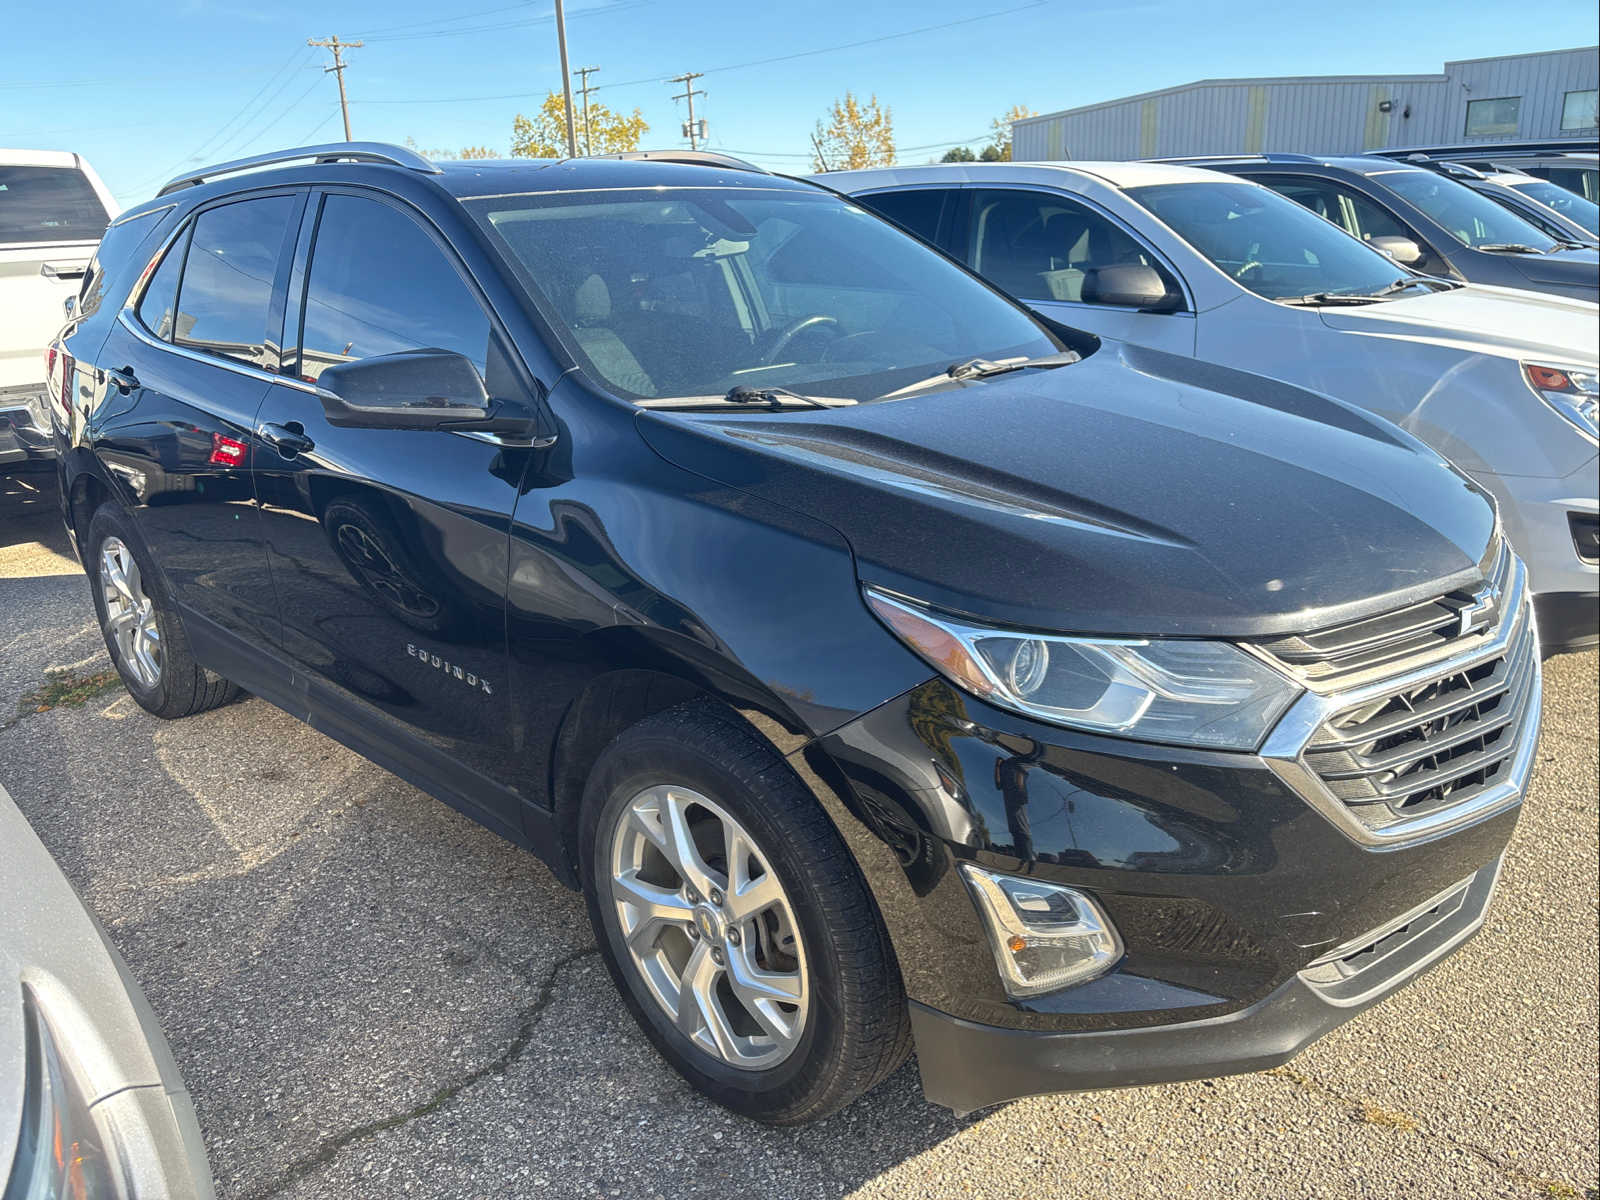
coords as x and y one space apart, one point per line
226 451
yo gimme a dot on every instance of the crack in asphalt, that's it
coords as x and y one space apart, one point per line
328 1149
1362 1110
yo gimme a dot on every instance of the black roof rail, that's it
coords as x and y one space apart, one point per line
371 152
694 158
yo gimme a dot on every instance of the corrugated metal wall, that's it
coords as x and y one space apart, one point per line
1332 115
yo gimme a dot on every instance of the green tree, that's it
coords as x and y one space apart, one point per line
1000 132
854 135
545 134
959 154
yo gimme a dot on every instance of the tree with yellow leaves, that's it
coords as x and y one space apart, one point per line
545 135
854 135
1000 141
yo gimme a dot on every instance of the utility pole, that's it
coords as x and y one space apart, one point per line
566 78
588 146
822 159
690 130
336 46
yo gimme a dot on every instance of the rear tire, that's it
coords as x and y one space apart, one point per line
814 964
143 634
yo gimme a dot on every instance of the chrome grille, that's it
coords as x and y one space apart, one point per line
1439 739
1430 745
1332 656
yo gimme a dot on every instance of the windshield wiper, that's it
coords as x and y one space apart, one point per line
1321 298
746 396
983 368
1507 248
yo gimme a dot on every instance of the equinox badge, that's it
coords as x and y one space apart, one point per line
452 670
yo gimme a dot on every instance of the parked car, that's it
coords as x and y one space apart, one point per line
1572 164
53 209
91 1102
1562 215
885 664
1502 383
1456 233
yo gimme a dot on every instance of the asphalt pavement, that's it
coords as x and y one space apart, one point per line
372 997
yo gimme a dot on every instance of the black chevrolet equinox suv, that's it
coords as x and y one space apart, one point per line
889 668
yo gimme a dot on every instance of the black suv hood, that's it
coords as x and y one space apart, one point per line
1575 268
1135 492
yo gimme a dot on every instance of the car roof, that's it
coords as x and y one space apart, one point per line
478 177
1117 174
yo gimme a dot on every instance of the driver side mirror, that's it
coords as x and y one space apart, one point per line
414 389
1131 285
1403 250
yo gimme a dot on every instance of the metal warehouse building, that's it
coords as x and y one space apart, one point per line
1549 95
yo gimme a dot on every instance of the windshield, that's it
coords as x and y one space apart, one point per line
49 204
1569 204
1470 217
1267 242
695 291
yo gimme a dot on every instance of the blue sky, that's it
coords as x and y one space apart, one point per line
145 91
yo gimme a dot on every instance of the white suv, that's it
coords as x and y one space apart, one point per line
53 209
1502 382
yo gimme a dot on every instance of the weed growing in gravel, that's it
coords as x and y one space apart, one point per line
65 688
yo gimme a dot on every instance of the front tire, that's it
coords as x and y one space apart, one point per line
734 921
146 639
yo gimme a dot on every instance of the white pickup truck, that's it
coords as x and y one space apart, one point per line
53 209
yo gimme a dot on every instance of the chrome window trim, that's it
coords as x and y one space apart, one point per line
132 325
1285 746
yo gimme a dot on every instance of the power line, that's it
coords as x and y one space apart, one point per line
338 67
231 127
758 62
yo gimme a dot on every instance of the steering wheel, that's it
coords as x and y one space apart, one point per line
793 330
1249 267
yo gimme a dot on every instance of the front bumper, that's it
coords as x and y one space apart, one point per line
1237 882
968 1066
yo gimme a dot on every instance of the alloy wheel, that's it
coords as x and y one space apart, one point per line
130 613
709 928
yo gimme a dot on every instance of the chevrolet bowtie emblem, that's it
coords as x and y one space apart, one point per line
1481 612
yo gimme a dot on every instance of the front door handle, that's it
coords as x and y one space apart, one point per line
288 440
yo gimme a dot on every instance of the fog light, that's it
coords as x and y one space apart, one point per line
1044 936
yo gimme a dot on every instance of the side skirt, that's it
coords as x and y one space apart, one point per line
262 674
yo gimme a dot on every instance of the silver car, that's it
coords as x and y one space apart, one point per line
91 1104
1504 383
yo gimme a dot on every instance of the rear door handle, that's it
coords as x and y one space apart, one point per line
288 440
123 379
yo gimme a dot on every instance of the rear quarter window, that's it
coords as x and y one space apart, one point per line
49 204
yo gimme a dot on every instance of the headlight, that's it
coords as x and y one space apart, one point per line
1160 690
1574 392
61 1154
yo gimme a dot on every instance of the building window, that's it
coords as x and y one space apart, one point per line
1493 118
1578 110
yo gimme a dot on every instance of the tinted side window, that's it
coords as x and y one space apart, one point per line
916 210
379 285
1041 245
158 306
226 292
